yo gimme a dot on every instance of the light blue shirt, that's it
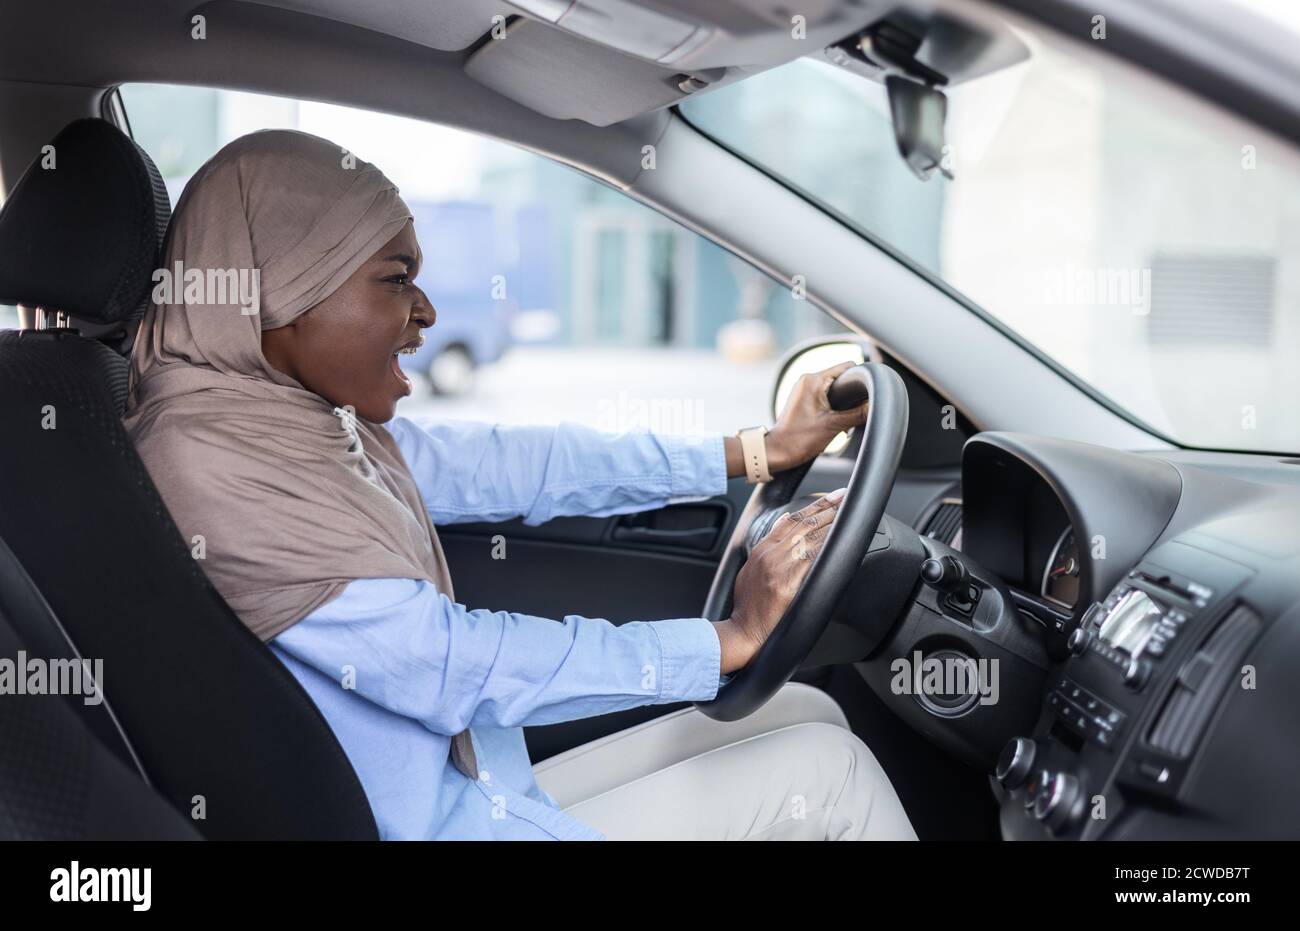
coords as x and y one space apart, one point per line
396 667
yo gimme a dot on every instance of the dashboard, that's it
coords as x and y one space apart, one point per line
1165 591
1060 583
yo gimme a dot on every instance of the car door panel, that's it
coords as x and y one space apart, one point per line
647 566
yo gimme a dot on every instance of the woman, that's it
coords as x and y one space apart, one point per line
263 431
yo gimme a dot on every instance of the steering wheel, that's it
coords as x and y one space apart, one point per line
841 555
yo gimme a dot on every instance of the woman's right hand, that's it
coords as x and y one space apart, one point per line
770 578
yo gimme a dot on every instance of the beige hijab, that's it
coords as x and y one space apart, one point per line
285 498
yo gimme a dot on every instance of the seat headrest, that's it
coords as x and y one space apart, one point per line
83 228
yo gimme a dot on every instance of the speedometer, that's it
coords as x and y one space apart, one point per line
1061 577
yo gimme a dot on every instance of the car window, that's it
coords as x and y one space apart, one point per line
1142 238
558 298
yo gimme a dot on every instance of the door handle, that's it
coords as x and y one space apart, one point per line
701 538
684 526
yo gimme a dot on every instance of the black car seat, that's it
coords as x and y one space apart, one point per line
67 771
217 724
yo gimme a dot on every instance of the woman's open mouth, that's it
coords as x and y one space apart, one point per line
409 348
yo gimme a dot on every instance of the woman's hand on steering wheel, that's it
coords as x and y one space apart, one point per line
804 597
808 423
770 578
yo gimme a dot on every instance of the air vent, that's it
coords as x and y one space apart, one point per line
1201 683
1212 300
944 523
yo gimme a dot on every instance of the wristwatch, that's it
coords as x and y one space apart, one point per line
753 448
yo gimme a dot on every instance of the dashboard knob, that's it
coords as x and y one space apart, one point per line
943 572
1015 762
1058 801
1034 786
1136 673
1079 641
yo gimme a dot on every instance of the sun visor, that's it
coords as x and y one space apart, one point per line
569 78
447 27
689 34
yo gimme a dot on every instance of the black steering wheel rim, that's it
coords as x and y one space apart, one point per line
841 555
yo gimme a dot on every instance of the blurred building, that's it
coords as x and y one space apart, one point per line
579 263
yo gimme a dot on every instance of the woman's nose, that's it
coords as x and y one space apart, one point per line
422 312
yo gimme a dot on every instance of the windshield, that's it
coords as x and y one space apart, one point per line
1143 239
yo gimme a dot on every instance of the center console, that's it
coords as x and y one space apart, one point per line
1124 715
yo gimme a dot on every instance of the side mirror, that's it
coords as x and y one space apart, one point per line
814 356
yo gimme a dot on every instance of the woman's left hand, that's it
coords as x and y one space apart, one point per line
807 424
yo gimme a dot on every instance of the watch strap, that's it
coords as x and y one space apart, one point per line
753 448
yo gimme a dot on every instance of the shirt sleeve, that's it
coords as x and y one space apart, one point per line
469 471
405 646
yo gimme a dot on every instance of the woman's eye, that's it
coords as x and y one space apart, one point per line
399 280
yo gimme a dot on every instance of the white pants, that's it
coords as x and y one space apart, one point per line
790 771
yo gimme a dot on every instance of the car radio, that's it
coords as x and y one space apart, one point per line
1123 716
1138 621
1131 630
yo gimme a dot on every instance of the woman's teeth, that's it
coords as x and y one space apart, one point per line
412 348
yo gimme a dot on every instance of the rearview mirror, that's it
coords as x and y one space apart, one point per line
919 113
